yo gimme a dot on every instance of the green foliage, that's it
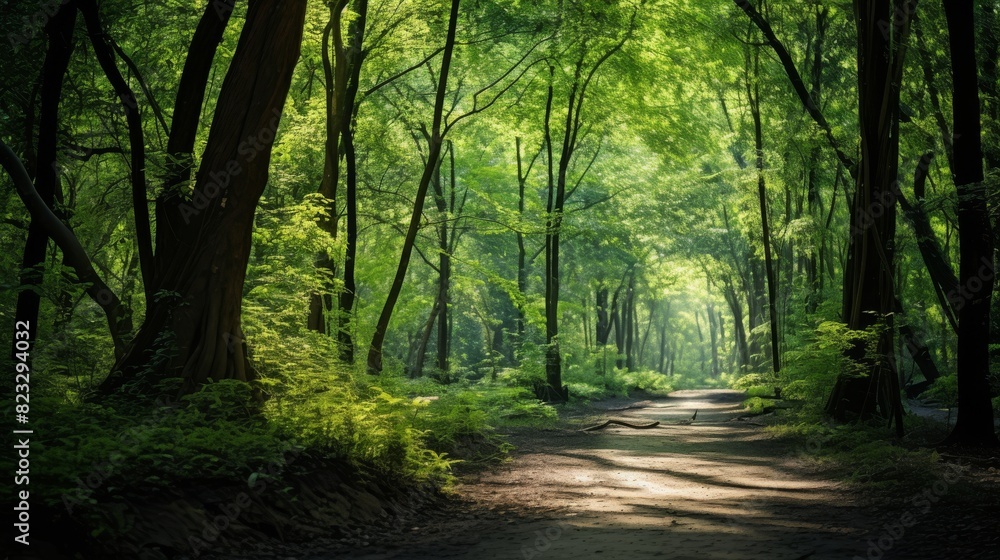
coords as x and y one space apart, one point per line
944 390
206 435
812 363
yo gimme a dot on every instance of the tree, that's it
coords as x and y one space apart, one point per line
192 327
976 273
589 60
869 287
435 141
59 31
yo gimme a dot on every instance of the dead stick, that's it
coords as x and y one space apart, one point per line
620 423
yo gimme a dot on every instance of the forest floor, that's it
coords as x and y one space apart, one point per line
718 487
713 488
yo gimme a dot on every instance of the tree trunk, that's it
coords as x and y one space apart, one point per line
938 268
813 276
335 83
772 308
714 338
137 145
553 359
868 277
617 323
433 155
425 337
444 269
628 318
193 330
59 30
974 425
355 58
522 268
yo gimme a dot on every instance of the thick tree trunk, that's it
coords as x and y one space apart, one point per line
868 278
193 331
974 425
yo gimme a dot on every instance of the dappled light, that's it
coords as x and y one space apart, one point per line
501 279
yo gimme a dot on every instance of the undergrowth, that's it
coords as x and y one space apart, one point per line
866 453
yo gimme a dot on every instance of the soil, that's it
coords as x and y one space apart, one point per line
711 487
708 486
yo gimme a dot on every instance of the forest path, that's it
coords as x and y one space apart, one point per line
716 488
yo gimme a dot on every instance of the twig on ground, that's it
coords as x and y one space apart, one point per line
620 423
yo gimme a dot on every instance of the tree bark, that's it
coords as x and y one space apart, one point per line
335 83
772 308
868 278
974 426
192 330
355 58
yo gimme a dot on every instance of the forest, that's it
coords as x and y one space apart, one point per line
478 279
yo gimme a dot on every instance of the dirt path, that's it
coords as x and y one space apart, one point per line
710 489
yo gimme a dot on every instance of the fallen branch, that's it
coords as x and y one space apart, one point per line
620 423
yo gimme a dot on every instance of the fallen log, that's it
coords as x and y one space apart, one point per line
620 423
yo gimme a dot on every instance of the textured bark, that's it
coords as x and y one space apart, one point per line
868 278
193 329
